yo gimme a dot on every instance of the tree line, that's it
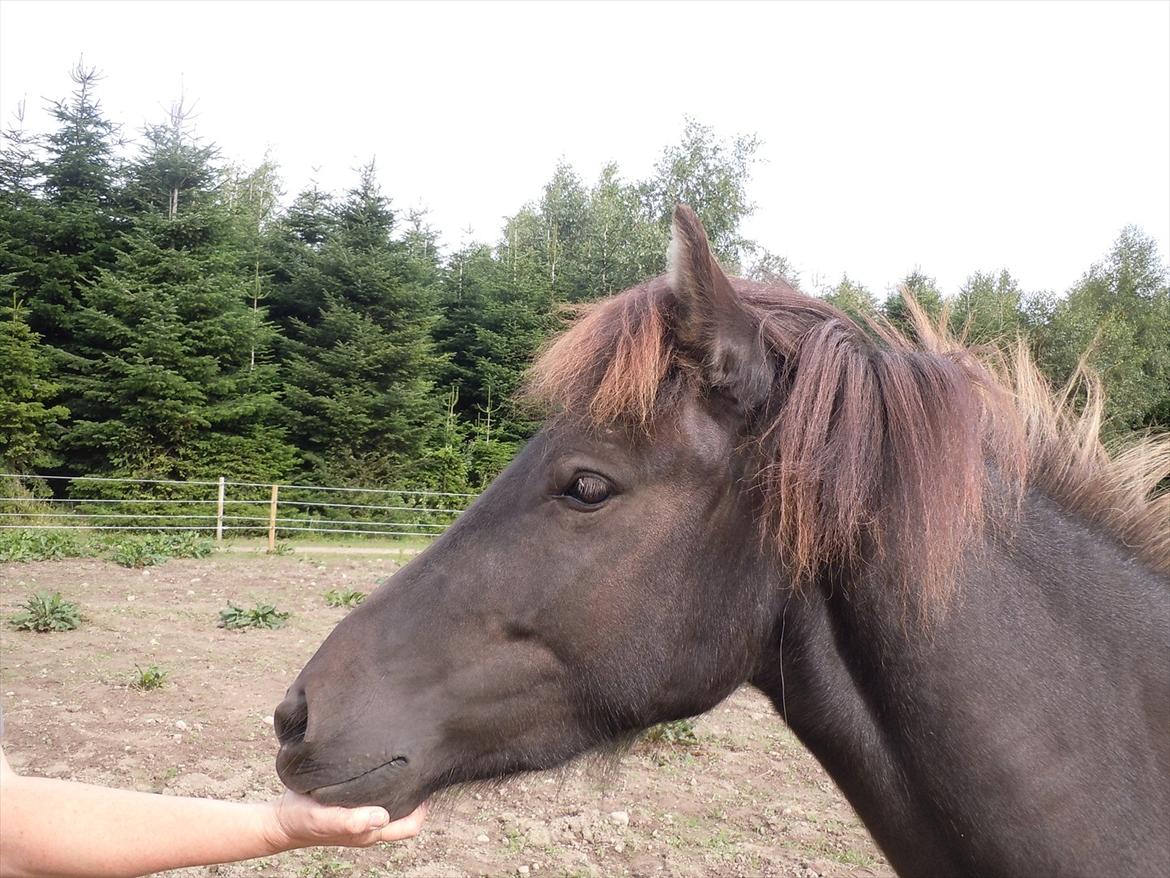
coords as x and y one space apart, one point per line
163 315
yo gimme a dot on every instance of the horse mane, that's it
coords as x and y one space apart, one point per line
905 444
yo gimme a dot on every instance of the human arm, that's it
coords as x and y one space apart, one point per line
61 828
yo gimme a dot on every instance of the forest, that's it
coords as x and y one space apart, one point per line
165 314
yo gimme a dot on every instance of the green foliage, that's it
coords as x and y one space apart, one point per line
260 616
852 298
923 290
322 864
44 612
149 678
1119 314
40 545
988 308
30 425
769 268
344 598
138 552
711 175
356 307
148 550
184 544
676 733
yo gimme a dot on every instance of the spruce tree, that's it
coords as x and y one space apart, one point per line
359 362
82 217
923 290
29 423
166 376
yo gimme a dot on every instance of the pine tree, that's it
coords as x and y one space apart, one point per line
166 373
923 290
357 310
852 298
81 212
496 313
29 424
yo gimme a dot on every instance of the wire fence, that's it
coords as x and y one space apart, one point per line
223 507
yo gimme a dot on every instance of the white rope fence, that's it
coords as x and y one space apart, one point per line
136 506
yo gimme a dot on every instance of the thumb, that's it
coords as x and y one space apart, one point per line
367 819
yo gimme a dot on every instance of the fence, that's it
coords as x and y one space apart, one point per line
222 507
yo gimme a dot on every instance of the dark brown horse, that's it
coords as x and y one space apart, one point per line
948 589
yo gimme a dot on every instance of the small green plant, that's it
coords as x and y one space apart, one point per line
676 733
45 612
853 857
261 616
152 549
350 597
39 545
324 865
283 548
148 678
182 545
137 552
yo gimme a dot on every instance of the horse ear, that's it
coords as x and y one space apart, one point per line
714 324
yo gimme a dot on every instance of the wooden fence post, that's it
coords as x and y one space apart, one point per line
272 519
219 515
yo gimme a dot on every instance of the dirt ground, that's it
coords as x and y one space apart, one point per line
747 800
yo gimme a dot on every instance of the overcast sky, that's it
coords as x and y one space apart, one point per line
951 136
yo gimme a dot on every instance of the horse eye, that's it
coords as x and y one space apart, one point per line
588 489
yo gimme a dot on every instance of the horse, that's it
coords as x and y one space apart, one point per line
920 552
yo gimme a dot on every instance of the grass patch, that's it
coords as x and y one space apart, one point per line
261 616
853 857
45 612
324 865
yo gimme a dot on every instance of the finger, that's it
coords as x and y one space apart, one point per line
362 820
405 827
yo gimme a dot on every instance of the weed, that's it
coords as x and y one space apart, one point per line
43 612
47 612
514 840
137 552
348 598
261 616
39 545
283 548
676 733
323 865
182 545
852 857
152 549
150 677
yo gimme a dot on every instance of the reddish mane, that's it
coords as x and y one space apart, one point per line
871 438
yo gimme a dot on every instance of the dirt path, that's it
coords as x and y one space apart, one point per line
748 800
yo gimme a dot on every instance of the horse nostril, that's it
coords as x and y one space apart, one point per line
291 718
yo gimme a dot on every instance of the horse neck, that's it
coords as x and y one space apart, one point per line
991 743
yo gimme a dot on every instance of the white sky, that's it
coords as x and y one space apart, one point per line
951 136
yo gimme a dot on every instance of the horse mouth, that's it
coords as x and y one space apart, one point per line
380 785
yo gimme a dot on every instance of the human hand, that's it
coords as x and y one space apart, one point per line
296 821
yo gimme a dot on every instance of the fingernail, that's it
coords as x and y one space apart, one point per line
378 818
